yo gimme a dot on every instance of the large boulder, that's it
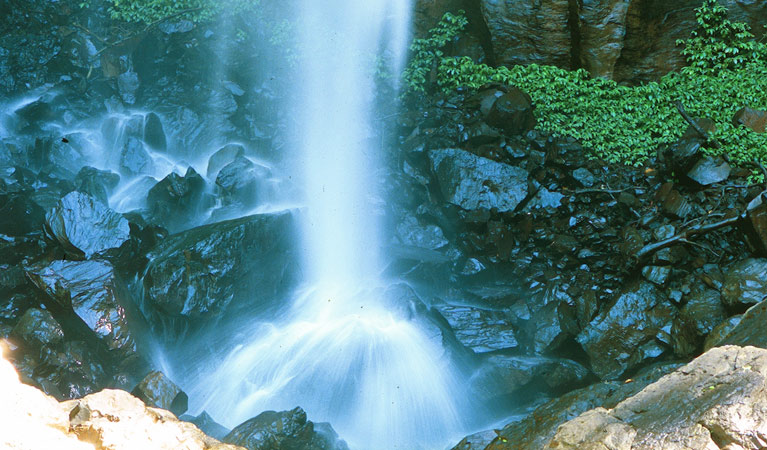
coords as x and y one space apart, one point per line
86 227
717 401
95 294
272 430
756 225
538 427
159 391
97 183
473 182
203 273
748 330
20 214
702 313
481 330
602 29
37 328
512 112
634 330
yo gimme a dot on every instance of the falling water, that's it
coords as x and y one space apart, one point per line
347 350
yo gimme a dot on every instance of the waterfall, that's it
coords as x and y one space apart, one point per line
349 350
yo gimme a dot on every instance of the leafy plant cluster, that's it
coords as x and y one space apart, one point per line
151 11
728 70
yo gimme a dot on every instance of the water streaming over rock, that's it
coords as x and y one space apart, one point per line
349 350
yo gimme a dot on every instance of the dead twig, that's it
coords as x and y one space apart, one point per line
684 237
703 133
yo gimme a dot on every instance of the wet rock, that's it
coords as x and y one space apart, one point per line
127 85
134 159
754 119
584 177
513 113
154 134
241 181
553 325
756 227
97 183
85 227
36 328
546 200
749 330
602 31
524 33
702 313
208 426
477 441
92 290
626 334
676 205
69 371
20 214
176 201
535 430
412 233
480 330
14 305
508 375
709 171
226 267
222 157
745 283
656 274
473 182
158 391
283 430
720 332
682 155
718 398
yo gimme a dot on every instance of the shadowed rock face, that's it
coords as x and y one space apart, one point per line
289 430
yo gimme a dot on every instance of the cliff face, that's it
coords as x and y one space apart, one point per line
628 40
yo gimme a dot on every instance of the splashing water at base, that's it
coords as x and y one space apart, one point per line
350 356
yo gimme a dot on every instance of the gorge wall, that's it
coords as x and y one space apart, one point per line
627 40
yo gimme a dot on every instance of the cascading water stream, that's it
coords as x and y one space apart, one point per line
345 351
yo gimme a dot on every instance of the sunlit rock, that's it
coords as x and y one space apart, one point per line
721 397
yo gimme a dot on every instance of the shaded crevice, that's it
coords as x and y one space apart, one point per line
478 27
574 26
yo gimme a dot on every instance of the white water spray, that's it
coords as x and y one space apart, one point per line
345 351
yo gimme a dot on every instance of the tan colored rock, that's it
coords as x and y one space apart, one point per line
718 401
108 420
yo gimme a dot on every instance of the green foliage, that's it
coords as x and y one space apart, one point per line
426 53
150 11
718 43
628 124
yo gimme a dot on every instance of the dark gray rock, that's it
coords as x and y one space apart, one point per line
36 328
207 425
222 157
745 282
627 334
94 293
709 171
584 177
154 134
241 182
513 113
127 85
237 266
159 391
85 227
134 159
20 214
502 375
702 313
756 225
97 183
749 330
175 202
411 232
473 182
480 330
286 430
